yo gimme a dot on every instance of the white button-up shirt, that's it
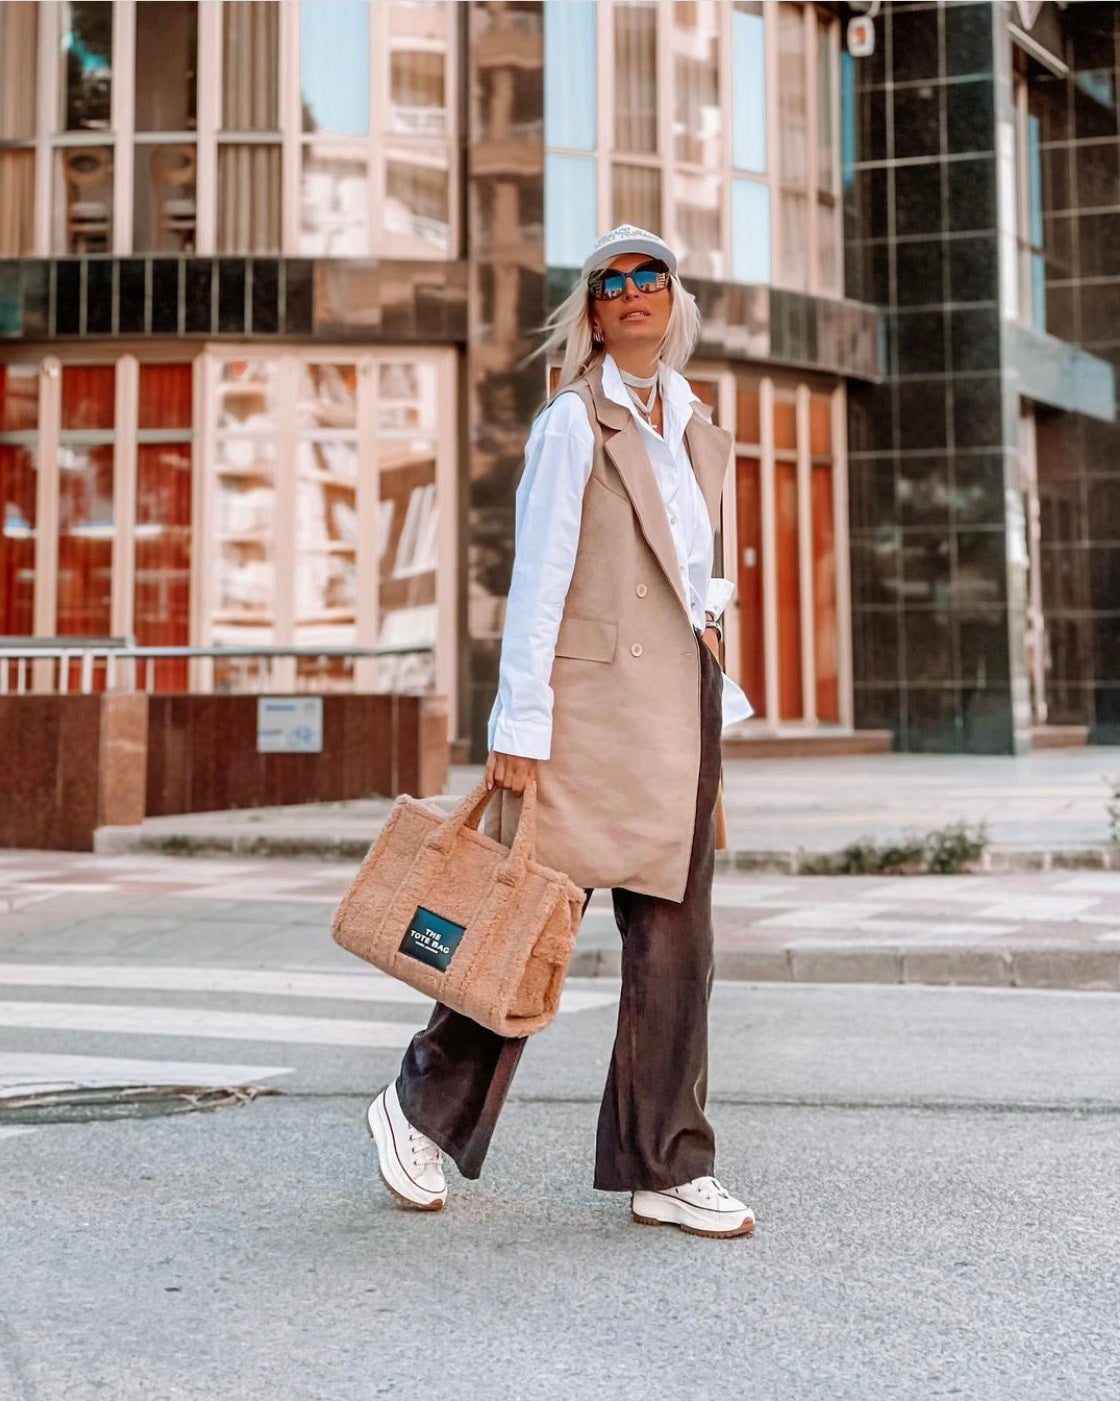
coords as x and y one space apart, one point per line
548 508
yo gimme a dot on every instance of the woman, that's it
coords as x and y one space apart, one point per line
612 700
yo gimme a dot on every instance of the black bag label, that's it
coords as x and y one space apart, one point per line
431 939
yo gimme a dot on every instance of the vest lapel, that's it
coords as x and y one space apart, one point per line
624 447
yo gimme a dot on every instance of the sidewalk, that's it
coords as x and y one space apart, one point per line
1058 929
1043 811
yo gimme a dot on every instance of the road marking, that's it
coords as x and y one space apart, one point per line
203 1023
11 1131
21 1070
358 986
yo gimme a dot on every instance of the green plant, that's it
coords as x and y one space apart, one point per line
1113 808
954 848
944 851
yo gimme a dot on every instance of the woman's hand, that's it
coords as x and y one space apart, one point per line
509 771
711 641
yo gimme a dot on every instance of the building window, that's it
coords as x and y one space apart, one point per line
787 525
691 142
322 129
331 525
1029 227
165 188
18 50
19 453
249 139
334 91
84 152
86 522
161 605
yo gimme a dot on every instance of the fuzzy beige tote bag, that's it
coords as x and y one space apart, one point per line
483 928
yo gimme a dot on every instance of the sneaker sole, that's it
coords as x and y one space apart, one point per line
746 1229
436 1205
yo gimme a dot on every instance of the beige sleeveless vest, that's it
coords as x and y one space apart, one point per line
617 797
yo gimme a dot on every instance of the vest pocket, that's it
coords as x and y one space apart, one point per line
587 639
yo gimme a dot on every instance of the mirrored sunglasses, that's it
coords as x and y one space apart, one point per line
606 285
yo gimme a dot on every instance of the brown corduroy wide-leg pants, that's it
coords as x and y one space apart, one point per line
652 1132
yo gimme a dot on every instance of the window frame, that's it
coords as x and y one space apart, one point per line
607 156
799 389
209 136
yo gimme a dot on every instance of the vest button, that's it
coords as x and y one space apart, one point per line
641 590
636 650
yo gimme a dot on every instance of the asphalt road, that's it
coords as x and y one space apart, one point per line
936 1175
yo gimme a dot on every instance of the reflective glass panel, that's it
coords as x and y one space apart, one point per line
334 66
19 33
88 397
750 231
18 490
826 119
570 74
699 200
419 63
250 65
162 532
165 211
793 103
635 196
697 120
793 239
19 398
788 579
825 639
84 200
571 223
248 198
85 539
748 87
87 78
166 65
334 204
416 210
635 76
17 202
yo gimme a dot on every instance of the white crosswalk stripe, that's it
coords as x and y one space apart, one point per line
20 1072
24 1071
203 1023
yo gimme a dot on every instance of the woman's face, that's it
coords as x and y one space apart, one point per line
635 320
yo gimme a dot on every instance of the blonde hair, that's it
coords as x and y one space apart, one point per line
569 333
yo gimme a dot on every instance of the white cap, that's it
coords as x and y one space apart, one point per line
628 239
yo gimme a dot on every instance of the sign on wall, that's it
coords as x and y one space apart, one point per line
290 725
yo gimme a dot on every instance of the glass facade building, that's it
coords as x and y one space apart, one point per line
270 274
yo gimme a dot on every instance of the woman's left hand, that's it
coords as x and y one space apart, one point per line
711 641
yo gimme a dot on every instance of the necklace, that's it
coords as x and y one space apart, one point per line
635 383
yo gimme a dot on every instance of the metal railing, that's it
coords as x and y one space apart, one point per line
44 665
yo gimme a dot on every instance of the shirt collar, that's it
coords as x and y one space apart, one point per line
675 389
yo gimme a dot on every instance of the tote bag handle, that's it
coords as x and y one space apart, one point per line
469 814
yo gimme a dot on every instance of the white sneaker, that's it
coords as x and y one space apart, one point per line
701 1207
411 1164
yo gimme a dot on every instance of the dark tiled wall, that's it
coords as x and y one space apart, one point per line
928 456
1079 457
76 298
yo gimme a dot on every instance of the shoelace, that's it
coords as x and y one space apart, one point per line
710 1187
424 1151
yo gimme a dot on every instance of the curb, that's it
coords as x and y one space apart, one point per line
789 861
1076 969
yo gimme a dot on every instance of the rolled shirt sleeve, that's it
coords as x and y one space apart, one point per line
548 510
719 596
